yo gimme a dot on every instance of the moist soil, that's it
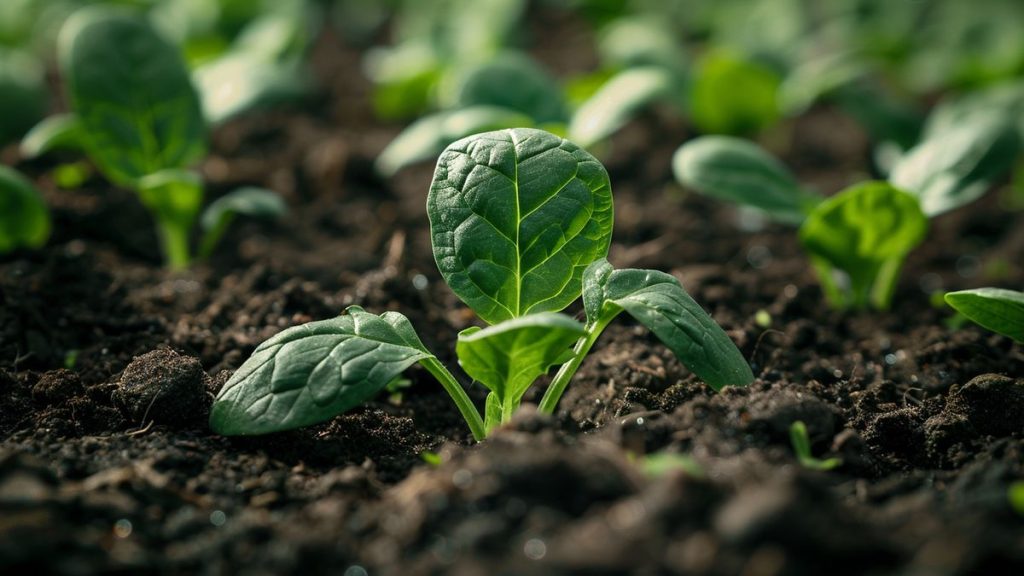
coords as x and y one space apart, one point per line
108 365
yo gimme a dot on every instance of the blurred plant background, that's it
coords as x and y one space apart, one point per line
447 68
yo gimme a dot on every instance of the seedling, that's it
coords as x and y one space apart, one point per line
24 218
802 448
858 238
521 221
138 118
999 310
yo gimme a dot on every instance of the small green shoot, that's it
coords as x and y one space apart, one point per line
997 309
802 447
521 221
662 463
24 217
433 459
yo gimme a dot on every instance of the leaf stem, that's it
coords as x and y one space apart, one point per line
558 384
174 241
459 396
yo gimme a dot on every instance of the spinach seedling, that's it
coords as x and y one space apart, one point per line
520 221
24 217
999 310
802 448
137 115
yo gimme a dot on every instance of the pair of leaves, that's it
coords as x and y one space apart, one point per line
24 217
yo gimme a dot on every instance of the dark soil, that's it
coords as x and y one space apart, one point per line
108 364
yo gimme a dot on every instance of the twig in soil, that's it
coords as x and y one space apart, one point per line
142 430
757 345
907 396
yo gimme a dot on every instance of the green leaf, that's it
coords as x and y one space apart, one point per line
247 201
240 81
508 357
427 137
738 170
997 309
865 231
658 301
732 95
174 198
57 132
636 41
512 81
618 101
957 166
24 217
309 373
515 218
132 94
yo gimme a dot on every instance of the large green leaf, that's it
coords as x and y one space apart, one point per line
865 231
997 309
508 357
739 171
658 301
24 217
309 373
515 217
132 94
618 101
958 165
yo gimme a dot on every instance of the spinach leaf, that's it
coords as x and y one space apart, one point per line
658 301
132 95
515 217
309 373
864 231
507 357
24 217
737 170
997 309
733 95
618 101
957 166
512 81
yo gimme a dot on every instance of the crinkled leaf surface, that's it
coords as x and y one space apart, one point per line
957 166
862 229
515 217
997 309
309 373
131 92
508 357
24 217
658 301
738 170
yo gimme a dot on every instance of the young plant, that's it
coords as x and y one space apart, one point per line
24 218
136 115
802 448
999 310
521 221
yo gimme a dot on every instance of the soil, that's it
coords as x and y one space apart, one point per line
108 363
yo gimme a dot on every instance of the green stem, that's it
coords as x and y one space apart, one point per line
885 283
558 384
458 394
174 241
212 236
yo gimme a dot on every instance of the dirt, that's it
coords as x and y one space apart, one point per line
108 363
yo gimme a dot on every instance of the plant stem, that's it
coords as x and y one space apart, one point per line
174 241
568 370
455 390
